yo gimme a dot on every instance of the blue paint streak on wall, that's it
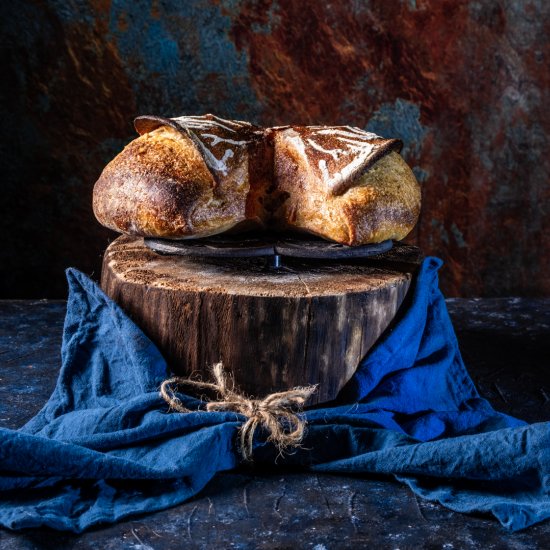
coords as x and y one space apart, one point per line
76 11
421 174
160 52
400 120
187 50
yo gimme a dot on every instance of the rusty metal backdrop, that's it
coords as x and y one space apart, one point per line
464 83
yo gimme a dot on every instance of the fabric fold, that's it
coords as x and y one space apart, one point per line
105 447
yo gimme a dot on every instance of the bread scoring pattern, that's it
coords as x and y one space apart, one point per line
338 155
193 176
220 141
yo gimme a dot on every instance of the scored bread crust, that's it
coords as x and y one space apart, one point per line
193 177
162 185
378 204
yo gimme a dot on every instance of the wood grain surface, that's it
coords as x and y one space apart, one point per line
308 323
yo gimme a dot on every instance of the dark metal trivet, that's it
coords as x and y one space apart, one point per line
247 246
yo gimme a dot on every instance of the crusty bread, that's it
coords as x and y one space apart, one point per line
344 184
167 184
192 177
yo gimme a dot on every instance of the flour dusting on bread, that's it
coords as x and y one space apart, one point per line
193 176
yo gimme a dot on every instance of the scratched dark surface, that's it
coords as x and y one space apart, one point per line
506 343
464 83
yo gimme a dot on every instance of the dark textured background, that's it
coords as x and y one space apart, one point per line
465 84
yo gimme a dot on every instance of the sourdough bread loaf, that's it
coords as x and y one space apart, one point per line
344 184
196 176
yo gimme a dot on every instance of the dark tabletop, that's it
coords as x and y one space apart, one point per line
506 345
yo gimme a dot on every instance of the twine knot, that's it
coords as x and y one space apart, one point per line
276 413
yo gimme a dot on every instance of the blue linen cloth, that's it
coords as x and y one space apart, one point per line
105 447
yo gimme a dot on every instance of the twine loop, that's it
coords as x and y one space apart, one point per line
276 413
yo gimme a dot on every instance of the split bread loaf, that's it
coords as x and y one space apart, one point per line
196 176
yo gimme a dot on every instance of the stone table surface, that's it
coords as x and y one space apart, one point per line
506 345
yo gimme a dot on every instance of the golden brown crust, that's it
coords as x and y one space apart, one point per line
197 176
335 155
382 203
160 186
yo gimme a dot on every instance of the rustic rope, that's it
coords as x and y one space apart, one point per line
276 413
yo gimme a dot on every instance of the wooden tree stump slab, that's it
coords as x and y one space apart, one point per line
310 323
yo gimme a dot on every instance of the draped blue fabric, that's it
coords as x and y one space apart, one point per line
105 447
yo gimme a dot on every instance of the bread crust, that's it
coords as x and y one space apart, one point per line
161 186
192 177
378 199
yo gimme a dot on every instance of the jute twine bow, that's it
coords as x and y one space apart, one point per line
276 413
